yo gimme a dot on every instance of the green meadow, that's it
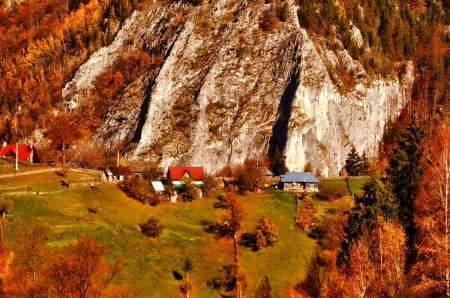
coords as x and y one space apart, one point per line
149 264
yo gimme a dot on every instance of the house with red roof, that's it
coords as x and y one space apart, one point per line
23 152
180 174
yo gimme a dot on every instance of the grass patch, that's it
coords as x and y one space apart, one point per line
355 184
8 166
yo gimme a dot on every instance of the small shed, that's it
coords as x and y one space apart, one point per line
267 174
109 177
299 181
157 186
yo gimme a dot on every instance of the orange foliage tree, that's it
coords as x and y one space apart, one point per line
62 131
77 271
376 265
431 271
81 272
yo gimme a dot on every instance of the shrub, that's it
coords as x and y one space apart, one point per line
305 215
191 193
331 230
266 233
96 208
150 174
208 184
152 228
155 200
5 206
331 192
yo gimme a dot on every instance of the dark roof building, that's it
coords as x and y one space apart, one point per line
120 172
299 181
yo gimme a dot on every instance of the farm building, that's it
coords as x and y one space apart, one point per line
299 181
116 174
179 175
267 174
24 152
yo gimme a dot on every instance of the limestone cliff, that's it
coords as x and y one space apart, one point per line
228 90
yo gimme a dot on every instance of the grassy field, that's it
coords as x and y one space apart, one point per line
8 166
355 184
149 263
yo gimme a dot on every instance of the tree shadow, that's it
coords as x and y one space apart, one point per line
220 204
220 230
92 210
209 226
314 233
225 281
248 240
177 275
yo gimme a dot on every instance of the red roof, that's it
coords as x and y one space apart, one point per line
25 152
196 173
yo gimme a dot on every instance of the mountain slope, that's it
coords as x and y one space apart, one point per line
229 89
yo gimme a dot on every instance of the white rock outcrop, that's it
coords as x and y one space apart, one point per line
228 91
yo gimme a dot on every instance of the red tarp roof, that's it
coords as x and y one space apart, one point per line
196 173
24 152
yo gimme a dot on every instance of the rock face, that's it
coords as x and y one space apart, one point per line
228 90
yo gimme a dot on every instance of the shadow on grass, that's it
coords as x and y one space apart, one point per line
92 210
314 234
248 240
177 275
208 226
225 281
220 204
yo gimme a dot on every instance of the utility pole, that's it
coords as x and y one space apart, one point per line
17 156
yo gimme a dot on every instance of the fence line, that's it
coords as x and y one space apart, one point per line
50 170
29 172
17 193
15 187
48 192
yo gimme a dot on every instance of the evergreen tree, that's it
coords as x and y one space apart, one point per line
353 163
365 164
278 164
374 202
404 172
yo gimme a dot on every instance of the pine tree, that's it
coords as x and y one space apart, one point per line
353 163
363 216
278 164
405 171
